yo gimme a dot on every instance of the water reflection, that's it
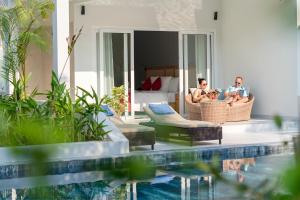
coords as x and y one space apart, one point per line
237 167
186 182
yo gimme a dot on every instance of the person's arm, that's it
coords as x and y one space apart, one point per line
226 93
197 96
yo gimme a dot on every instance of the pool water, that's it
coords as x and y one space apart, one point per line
185 181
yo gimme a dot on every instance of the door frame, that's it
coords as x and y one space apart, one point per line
183 67
214 68
127 69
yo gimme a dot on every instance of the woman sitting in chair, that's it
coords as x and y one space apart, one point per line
201 92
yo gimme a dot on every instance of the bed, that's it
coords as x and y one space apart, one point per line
143 98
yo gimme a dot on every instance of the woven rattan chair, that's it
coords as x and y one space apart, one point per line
210 111
214 111
219 111
240 112
193 109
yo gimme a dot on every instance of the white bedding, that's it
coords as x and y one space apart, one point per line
143 98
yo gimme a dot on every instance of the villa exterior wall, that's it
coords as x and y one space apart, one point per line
139 14
259 43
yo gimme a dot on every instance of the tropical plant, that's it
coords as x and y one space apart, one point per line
59 118
117 99
21 26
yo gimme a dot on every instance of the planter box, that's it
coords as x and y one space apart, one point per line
117 144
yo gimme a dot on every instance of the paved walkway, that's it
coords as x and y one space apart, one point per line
255 131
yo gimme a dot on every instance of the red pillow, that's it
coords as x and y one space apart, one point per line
147 84
156 85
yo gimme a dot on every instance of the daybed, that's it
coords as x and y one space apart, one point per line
219 111
174 127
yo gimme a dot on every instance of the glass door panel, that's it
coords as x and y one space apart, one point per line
115 64
197 59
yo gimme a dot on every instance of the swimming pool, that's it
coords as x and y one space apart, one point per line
174 181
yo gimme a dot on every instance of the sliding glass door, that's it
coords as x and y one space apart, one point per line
115 64
3 82
196 60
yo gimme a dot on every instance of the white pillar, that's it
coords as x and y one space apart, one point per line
60 28
298 53
188 189
183 188
134 192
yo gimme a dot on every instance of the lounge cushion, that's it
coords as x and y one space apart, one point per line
135 128
107 110
161 109
176 120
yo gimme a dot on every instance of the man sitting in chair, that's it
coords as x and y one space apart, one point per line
236 93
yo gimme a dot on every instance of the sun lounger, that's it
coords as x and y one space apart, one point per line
174 127
136 134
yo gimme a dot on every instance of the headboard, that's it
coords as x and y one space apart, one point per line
171 70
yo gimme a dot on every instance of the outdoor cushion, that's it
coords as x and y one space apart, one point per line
161 109
134 128
176 120
107 110
156 85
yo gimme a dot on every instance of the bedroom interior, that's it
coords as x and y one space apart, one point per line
151 73
156 57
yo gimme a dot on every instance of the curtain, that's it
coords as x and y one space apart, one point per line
108 70
201 58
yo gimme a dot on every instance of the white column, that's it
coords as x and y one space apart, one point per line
298 53
60 28
188 189
183 188
181 74
13 194
134 192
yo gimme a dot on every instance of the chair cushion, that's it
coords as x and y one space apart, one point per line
107 110
161 109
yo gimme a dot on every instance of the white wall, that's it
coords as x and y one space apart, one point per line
137 14
259 43
298 13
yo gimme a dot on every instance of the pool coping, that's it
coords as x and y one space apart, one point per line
156 158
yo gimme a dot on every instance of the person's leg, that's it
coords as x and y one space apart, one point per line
242 100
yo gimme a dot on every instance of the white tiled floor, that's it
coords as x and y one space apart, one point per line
256 131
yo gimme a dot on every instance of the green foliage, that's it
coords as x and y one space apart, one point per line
21 26
117 100
86 112
278 121
25 121
58 119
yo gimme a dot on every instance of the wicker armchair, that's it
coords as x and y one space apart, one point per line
211 111
240 112
218 111
193 109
